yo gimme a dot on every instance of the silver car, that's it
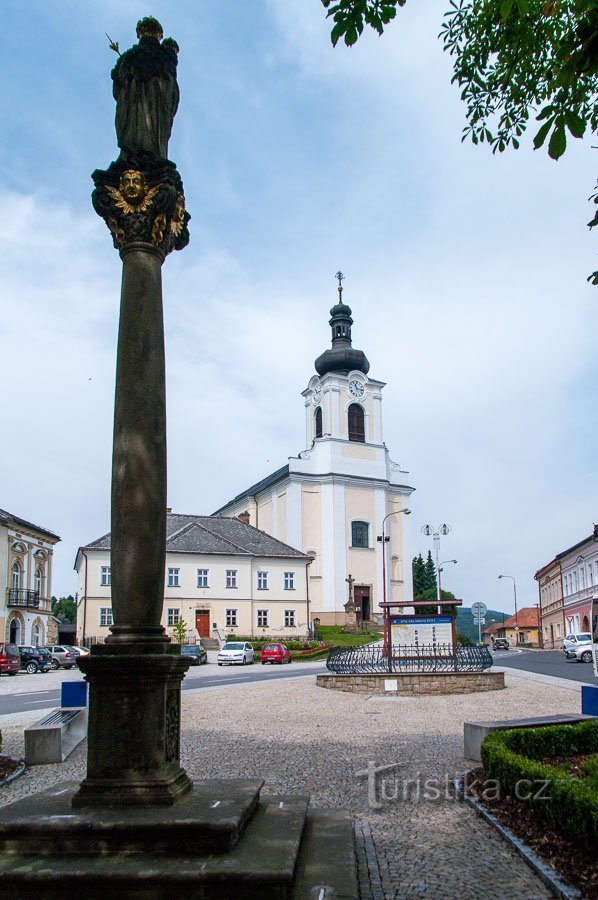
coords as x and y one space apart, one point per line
62 658
573 643
235 653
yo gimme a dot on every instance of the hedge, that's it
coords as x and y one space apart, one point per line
567 803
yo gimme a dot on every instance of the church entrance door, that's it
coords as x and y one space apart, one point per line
361 597
202 622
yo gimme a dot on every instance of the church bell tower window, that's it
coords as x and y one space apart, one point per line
356 421
318 422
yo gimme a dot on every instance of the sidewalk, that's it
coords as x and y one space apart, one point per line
412 840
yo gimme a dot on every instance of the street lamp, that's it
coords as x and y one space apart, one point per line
440 608
515 596
442 529
383 539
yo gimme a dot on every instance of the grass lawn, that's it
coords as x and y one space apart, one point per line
336 637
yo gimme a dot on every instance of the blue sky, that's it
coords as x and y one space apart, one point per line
465 272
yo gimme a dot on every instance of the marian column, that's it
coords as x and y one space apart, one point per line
134 726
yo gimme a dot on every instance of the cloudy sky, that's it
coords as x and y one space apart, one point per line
465 272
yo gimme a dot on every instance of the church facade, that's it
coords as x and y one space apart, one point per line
333 499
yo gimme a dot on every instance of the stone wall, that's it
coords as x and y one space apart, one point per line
419 683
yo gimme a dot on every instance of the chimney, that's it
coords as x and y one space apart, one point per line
244 517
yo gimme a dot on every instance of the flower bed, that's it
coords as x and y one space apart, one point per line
536 758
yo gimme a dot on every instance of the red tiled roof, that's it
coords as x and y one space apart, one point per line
526 618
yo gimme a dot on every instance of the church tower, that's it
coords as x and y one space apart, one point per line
331 499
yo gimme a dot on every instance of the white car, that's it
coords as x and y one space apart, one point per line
581 653
573 642
238 653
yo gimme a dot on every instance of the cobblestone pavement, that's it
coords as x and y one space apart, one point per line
413 838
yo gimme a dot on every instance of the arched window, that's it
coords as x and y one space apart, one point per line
356 423
360 532
586 624
39 579
318 422
16 576
36 635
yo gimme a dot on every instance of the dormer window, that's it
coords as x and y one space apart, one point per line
318 422
356 422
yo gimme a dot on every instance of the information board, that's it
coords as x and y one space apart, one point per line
421 632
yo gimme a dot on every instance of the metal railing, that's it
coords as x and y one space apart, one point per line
18 597
407 659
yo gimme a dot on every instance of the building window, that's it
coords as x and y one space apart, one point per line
318 422
173 616
262 618
105 615
173 577
39 576
356 419
16 577
289 581
231 578
262 581
231 618
360 534
105 576
289 618
202 577
36 635
558 629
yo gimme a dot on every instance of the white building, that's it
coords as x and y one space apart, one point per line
332 498
26 582
222 576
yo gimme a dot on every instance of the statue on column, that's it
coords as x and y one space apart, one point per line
140 196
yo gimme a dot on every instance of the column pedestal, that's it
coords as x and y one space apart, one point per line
134 726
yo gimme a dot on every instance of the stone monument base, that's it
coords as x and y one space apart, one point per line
416 683
221 840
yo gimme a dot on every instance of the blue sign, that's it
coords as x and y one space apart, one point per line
420 620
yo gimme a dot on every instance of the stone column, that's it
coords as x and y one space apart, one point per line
138 536
135 677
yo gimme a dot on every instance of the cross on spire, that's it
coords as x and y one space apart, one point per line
340 278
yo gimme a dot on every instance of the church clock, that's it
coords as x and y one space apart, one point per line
356 389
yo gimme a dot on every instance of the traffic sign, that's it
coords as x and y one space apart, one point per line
479 619
479 609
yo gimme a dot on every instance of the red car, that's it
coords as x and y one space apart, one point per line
10 659
275 653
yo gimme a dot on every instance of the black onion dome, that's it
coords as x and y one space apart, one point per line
341 357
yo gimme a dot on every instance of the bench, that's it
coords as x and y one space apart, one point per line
475 732
55 736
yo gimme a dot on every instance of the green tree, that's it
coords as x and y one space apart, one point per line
180 630
419 574
513 60
65 609
430 573
431 595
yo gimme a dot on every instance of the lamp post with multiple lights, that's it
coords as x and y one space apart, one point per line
442 529
515 597
383 539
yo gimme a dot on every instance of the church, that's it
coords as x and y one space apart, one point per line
332 499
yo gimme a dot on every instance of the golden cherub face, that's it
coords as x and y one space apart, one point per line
132 186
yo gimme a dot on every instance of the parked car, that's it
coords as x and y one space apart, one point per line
62 658
10 659
32 660
78 651
582 652
195 653
275 653
572 642
235 653
500 644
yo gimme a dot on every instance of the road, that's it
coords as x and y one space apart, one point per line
20 694
197 678
546 662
